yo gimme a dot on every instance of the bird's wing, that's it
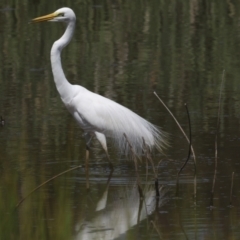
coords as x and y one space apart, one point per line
112 119
99 112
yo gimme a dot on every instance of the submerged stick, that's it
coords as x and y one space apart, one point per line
71 169
136 166
216 140
231 189
185 135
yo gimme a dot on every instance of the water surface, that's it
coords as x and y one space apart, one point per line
123 50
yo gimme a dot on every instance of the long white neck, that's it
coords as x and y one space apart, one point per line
62 84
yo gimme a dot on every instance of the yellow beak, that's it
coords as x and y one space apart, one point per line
44 18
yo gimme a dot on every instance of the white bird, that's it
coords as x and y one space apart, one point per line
98 116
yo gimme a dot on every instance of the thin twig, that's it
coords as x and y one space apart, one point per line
216 139
231 189
185 135
71 169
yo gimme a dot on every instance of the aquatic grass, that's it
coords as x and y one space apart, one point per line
189 140
185 135
231 190
216 140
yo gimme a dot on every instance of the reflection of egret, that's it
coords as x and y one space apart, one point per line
119 216
95 114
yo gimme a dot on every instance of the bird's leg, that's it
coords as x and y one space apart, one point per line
102 139
109 160
88 138
86 167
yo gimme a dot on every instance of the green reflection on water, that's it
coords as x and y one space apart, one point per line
123 50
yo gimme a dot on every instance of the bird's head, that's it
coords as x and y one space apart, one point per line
61 15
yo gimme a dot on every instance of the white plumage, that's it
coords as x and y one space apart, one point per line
96 115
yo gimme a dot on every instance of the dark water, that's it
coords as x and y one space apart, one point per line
123 50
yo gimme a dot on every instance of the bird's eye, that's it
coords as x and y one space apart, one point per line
61 15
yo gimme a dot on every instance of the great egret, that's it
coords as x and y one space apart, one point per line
98 116
120 214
